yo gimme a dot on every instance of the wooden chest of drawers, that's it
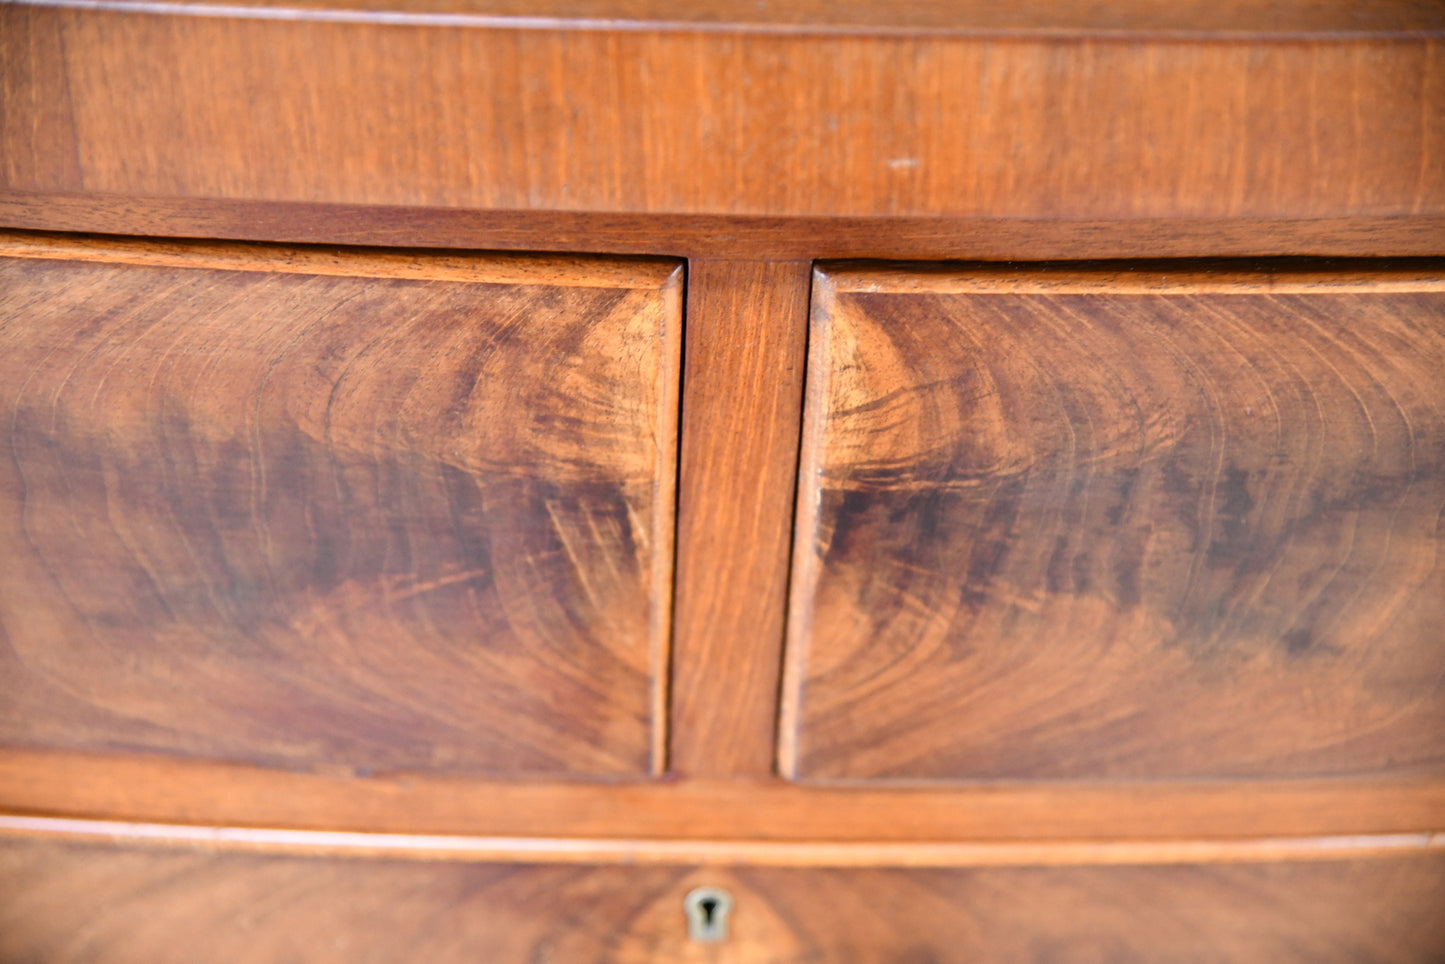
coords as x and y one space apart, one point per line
962 482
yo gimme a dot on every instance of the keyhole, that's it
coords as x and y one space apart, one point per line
707 914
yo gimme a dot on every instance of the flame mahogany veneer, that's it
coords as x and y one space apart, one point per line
370 593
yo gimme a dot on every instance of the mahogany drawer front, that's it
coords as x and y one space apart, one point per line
314 508
88 902
1074 525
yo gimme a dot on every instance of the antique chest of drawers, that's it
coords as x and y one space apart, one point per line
591 481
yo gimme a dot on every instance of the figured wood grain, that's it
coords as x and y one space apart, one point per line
146 789
742 406
323 508
1063 525
65 902
1308 123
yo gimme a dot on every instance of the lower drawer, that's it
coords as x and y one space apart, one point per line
62 901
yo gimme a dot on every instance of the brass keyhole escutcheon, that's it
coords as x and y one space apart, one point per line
707 910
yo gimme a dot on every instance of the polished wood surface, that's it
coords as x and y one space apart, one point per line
728 237
1233 18
1314 120
674 851
397 704
1123 524
742 408
146 789
329 509
67 902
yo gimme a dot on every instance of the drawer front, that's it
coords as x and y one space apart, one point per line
328 509
1142 525
69 902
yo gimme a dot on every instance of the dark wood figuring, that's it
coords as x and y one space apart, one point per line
1074 525
61 902
741 412
76 903
751 139
1332 114
322 508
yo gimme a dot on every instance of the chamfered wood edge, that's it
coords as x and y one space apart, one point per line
1211 276
148 789
664 512
1058 18
554 850
805 562
725 236
566 271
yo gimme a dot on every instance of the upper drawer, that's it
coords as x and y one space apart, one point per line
1072 525
962 108
320 508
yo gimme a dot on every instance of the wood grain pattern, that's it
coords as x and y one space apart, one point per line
742 408
330 509
1132 525
47 152
68 903
358 110
1187 17
179 791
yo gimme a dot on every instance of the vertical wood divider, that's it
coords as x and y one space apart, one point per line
743 362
